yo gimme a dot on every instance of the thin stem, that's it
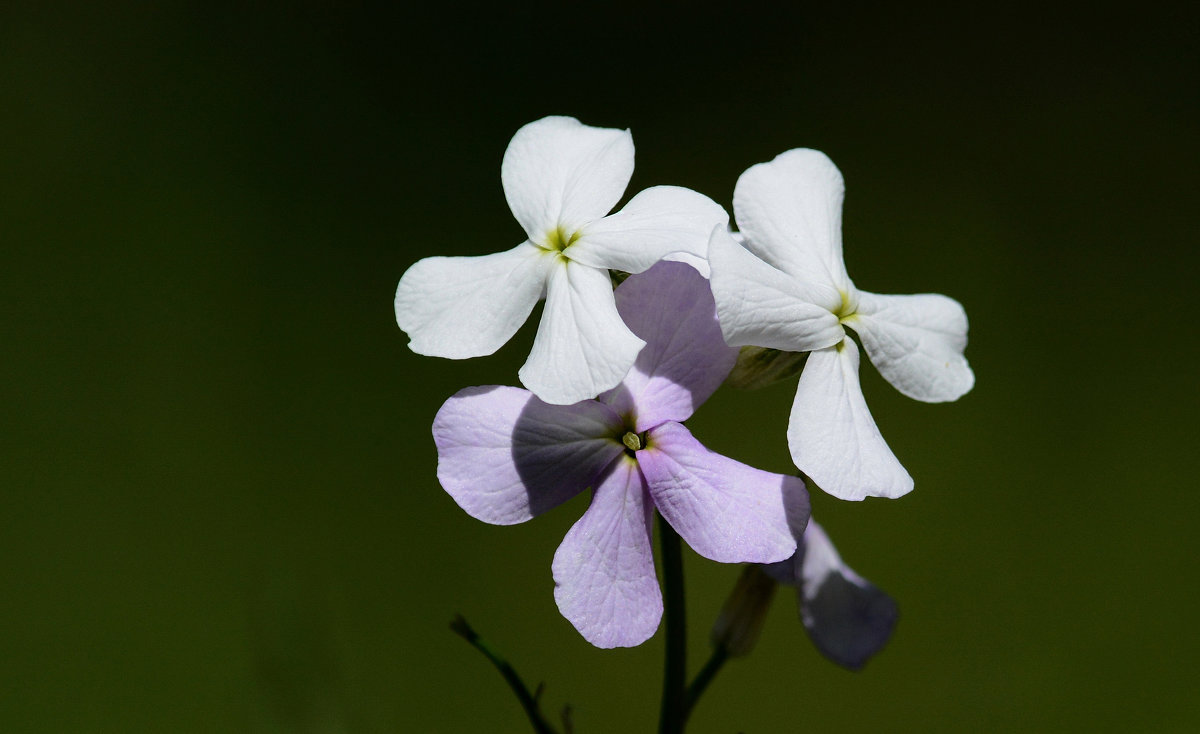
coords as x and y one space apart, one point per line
529 701
674 697
704 677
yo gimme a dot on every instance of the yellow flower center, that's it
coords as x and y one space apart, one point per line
846 310
557 240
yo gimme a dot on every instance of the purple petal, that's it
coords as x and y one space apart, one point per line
685 358
725 510
847 617
604 570
505 456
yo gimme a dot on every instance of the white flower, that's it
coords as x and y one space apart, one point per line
787 289
560 178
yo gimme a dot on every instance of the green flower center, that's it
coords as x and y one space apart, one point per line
557 240
634 442
846 311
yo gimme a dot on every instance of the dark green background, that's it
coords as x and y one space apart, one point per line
219 504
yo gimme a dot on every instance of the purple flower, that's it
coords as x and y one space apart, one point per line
848 618
506 456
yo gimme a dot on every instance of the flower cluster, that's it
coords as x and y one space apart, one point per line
614 373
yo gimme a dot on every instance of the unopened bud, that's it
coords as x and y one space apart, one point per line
759 366
745 611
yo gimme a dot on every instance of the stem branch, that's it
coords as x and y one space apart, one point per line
704 677
529 701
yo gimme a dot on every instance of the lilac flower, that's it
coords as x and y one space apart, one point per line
505 456
847 617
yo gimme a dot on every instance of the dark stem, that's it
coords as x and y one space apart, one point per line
674 697
704 677
529 701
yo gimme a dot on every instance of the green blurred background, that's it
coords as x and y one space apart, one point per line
220 511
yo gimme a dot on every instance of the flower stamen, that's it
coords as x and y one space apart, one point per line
634 442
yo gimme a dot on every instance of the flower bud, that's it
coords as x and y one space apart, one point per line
759 366
745 611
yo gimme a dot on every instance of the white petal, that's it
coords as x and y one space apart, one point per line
832 436
697 263
505 456
916 343
656 222
791 213
460 307
582 347
604 579
560 173
760 306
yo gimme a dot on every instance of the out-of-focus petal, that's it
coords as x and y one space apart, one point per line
760 306
848 618
460 307
791 213
726 511
560 174
916 343
656 222
832 436
505 456
582 347
684 360
604 579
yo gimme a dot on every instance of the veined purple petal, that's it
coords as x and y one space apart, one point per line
848 618
725 510
505 456
685 358
604 570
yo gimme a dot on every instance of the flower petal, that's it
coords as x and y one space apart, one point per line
460 307
848 618
726 511
505 456
791 213
561 174
760 306
656 222
832 436
698 263
582 347
684 360
604 579
916 343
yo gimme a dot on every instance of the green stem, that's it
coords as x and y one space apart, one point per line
704 677
674 696
528 700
